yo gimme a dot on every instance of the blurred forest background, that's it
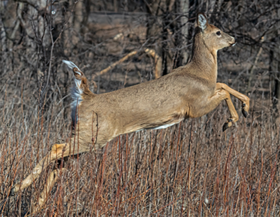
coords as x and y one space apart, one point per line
189 169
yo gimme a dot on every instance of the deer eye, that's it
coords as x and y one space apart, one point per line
218 33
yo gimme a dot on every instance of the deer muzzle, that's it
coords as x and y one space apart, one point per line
233 43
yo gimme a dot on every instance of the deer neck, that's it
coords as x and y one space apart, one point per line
204 59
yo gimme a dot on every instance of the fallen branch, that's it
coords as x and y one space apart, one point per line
157 62
114 64
150 52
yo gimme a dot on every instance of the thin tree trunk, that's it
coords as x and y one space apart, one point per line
153 31
185 28
275 66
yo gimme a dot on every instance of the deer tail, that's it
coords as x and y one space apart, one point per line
80 85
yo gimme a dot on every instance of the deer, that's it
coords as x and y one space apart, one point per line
189 91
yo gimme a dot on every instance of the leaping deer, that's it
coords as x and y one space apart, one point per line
190 91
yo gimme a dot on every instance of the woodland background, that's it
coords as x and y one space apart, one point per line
190 169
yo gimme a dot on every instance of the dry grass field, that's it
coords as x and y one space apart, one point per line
190 169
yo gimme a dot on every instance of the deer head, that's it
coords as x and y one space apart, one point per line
213 37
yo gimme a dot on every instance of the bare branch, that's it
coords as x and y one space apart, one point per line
150 52
114 64
157 62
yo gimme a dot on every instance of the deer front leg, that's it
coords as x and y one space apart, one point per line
220 95
233 114
244 99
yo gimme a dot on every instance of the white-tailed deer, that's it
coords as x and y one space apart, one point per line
189 91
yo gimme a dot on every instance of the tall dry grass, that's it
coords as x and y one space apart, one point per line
190 169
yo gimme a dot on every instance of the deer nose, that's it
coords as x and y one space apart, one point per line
233 41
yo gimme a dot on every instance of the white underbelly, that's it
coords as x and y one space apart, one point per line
164 126
156 128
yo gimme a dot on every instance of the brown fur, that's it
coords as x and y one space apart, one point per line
189 91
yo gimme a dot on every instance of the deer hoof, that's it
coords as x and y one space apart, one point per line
245 114
228 124
225 127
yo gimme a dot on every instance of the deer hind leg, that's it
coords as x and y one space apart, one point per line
57 152
244 99
47 188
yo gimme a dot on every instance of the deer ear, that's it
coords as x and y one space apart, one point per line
202 21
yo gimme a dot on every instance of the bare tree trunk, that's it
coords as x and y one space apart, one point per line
164 35
169 10
181 32
165 23
8 25
185 28
153 31
3 37
115 6
275 69
275 65
87 12
78 19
